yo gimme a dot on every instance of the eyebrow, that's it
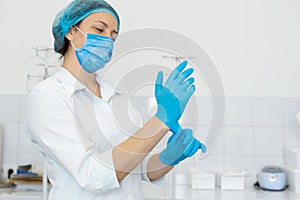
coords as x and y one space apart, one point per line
105 24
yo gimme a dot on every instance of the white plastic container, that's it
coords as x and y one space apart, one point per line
202 180
181 179
232 181
293 177
292 157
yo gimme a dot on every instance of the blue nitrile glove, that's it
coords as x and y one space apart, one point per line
173 96
179 147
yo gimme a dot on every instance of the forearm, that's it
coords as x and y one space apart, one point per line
156 169
132 151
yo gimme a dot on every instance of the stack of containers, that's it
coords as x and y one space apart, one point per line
202 180
232 180
292 159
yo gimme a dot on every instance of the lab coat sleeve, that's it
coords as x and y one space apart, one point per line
131 123
51 124
144 175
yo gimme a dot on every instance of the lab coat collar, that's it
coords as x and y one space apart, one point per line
71 85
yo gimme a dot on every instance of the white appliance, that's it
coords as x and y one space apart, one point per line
272 178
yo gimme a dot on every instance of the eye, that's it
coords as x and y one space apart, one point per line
114 37
100 30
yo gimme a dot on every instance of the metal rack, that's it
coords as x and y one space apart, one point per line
43 64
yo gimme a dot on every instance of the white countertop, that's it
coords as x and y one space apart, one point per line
12 194
185 192
153 192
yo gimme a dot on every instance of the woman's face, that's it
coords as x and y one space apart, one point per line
100 23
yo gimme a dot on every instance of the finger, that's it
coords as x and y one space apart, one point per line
189 148
175 136
188 136
176 132
184 75
191 91
196 146
181 66
175 127
178 70
179 130
171 138
159 82
188 83
203 148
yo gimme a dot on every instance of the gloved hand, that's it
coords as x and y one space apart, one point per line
173 96
179 147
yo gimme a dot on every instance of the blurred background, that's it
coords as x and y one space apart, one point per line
255 46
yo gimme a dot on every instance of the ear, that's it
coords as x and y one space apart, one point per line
71 33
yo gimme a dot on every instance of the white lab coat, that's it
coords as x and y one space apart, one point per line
76 132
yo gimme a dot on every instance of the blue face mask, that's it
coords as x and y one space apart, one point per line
95 52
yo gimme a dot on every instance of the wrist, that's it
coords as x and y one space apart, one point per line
161 113
161 124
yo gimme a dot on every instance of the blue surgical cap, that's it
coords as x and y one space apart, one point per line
73 13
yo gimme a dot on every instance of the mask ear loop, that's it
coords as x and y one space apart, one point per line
80 32
72 45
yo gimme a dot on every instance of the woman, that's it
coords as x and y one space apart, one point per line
69 115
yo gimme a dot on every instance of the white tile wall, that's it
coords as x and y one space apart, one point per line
22 105
10 158
185 165
17 146
9 108
219 147
239 111
238 141
10 138
268 141
198 112
210 163
244 163
255 133
30 158
268 112
290 108
261 161
291 136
